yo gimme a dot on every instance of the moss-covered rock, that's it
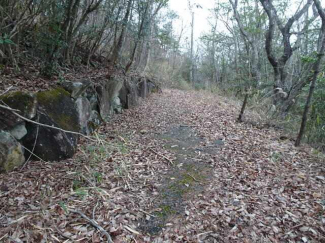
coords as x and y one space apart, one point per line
58 105
76 89
56 109
11 153
24 103
50 144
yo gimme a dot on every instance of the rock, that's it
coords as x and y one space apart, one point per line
19 131
76 89
129 93
143 131
84 111
104 102
116 105
23 102
59 107
50 144
93 103
143 88
95 121
152 87
11 153
123 97
236 202
219 142
106 94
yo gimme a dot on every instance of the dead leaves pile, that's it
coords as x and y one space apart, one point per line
263 189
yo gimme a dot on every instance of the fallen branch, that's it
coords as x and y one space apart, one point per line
44 125
94 224
6 91
31 152
192 177
131 230
161 155
62 234
35 142
188 126
149 214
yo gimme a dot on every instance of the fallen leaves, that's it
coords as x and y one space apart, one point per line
262 189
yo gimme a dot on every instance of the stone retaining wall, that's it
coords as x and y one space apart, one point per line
78 107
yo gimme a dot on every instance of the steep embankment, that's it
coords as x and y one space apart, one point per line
177 167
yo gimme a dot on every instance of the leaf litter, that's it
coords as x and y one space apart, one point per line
255 187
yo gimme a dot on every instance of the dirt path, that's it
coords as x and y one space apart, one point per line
178 168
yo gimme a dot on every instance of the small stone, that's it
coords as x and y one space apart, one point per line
236 202
321 178
304 229
219 142
304 239
143 131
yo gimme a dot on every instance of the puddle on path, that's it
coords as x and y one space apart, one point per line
185 179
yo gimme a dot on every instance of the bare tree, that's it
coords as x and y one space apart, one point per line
251 42
117 48
279 63
315 71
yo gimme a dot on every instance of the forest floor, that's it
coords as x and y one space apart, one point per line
177 168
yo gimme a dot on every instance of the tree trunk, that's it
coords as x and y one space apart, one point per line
140 32
117 49
240 118
315 73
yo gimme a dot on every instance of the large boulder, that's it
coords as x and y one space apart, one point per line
129 93
84 112
107 92
76 89
116 105
56 109
58 105
11 153
25 105
123 95
143 88
103 102
50 144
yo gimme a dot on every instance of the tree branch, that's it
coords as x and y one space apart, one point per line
44 125
94 224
